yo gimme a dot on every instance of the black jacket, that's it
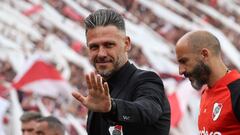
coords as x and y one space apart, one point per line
142 107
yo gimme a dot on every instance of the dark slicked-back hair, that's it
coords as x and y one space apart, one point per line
54 124
104 17
29 116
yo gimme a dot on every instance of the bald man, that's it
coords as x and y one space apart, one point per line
199 57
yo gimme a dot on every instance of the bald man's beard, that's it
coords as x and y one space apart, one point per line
200 75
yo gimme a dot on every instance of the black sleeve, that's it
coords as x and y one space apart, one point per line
150 102
234 88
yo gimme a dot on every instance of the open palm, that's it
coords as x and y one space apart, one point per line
98 98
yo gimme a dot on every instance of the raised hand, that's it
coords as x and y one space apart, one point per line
98 98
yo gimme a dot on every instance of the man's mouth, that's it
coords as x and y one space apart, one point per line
102 63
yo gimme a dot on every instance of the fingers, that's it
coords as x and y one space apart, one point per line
100 84
94 81
79 97
106 88
89 84
95 84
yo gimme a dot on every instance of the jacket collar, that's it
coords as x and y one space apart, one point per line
120 78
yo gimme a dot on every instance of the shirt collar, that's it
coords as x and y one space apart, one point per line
225 80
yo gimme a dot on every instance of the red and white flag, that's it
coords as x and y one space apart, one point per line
42 78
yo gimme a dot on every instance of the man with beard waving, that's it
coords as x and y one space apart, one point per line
122 99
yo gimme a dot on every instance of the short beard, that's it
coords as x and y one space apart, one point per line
106 74
200 75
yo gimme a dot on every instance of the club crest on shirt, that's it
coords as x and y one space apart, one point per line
116 130
217 107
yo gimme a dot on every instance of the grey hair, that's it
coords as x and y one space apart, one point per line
29 116
54 124
104 17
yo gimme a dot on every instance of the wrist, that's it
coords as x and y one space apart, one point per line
113 107
112 114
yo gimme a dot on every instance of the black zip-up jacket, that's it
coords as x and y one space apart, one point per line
140 105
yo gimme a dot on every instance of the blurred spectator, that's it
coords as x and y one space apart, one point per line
49 103
29 121
137 55
49 126
78 111
77 76
28 101
6 70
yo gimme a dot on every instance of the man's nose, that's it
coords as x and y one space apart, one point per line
26 133
102 51
182 70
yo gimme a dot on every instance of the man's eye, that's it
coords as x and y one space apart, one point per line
183 61
110 45
93 47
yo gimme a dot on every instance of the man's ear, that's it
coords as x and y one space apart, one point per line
205 53
127 44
